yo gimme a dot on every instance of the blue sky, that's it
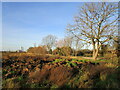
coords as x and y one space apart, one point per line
26 23
1 26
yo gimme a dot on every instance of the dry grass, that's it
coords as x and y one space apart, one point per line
9 83
44 71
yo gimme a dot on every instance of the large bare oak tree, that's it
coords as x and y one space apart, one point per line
96 24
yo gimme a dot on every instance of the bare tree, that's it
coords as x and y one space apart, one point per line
77 45
49 41
67 41
60 43
96 24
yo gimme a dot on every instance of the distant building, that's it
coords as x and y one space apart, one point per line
20 51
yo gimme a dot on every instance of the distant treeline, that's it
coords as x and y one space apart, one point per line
64 51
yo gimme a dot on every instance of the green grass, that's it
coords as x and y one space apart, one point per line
4 72
74 64
58 60
12 72
54 86
80 60
68 64
20 78
74 60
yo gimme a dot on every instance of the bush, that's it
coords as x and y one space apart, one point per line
80 53
37 50
88 55
64 51
84 52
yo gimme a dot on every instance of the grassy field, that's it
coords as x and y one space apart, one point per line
25 70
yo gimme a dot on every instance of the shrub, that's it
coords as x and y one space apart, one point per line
57 51
37 50
80 53
64 51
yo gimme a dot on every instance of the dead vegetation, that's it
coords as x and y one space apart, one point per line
35 71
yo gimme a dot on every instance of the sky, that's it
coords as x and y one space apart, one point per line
0 26
26 23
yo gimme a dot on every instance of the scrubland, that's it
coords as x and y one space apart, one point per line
25 70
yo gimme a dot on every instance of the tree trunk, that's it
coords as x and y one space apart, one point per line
75 53
95 54
95 51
